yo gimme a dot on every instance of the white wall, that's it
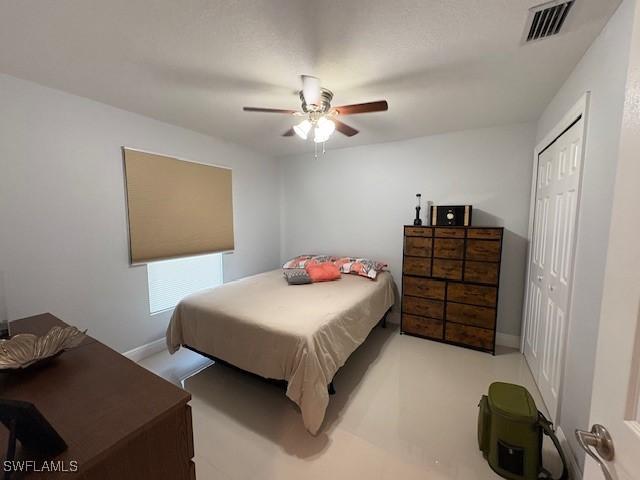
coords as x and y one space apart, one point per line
63 233
354 201
602 71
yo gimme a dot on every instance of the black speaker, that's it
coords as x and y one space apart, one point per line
456 215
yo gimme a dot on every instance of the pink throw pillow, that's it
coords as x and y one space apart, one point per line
322 272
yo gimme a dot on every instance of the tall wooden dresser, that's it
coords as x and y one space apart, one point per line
450 279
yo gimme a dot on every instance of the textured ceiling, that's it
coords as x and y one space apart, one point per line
442 65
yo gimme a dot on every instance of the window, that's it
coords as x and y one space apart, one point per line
171 280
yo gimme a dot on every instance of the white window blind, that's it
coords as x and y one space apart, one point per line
176 208
171 280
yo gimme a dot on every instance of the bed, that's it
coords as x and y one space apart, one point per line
301 334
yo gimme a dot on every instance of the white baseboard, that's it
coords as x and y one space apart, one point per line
506 340
574 469
146 350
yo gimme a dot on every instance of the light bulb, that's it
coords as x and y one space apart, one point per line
326 126
302 129
319 136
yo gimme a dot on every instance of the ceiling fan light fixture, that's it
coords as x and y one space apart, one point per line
319 115
302 129
324 129
318 137
326 126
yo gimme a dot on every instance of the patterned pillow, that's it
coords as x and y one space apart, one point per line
302 261
296 276
298 262
360 266
323 259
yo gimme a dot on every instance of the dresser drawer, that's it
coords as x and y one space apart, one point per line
481 272
418 231
427 327
451 269
448 232
417 266
423 287
423 307
471 336
487 250
448 248
488 233
417 246
472 294
471 315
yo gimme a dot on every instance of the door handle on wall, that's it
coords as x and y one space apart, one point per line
599 439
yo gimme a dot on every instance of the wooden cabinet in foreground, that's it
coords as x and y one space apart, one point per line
450 279
119 420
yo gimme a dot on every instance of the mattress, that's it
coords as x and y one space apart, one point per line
299 333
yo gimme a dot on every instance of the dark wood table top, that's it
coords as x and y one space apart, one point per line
93 396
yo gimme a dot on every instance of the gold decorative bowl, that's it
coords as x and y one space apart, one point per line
25 349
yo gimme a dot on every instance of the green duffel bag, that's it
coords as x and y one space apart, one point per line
510 432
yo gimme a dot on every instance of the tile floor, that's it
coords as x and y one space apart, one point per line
405 408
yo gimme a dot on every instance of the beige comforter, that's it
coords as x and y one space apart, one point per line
299 333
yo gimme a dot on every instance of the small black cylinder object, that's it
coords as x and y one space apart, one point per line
417 220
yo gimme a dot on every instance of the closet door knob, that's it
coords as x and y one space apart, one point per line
598 439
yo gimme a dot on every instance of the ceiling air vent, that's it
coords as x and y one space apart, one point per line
547 19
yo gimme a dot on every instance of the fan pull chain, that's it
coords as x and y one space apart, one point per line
315 149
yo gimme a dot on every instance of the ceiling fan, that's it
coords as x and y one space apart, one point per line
318 113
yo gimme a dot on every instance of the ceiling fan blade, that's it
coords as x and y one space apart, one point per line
269 110
379 106
310 89
289 133
344 128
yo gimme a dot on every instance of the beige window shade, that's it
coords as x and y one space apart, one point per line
176 208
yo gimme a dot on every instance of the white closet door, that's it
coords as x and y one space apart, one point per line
536 290
549 282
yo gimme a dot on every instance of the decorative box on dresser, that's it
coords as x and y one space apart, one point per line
450 278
